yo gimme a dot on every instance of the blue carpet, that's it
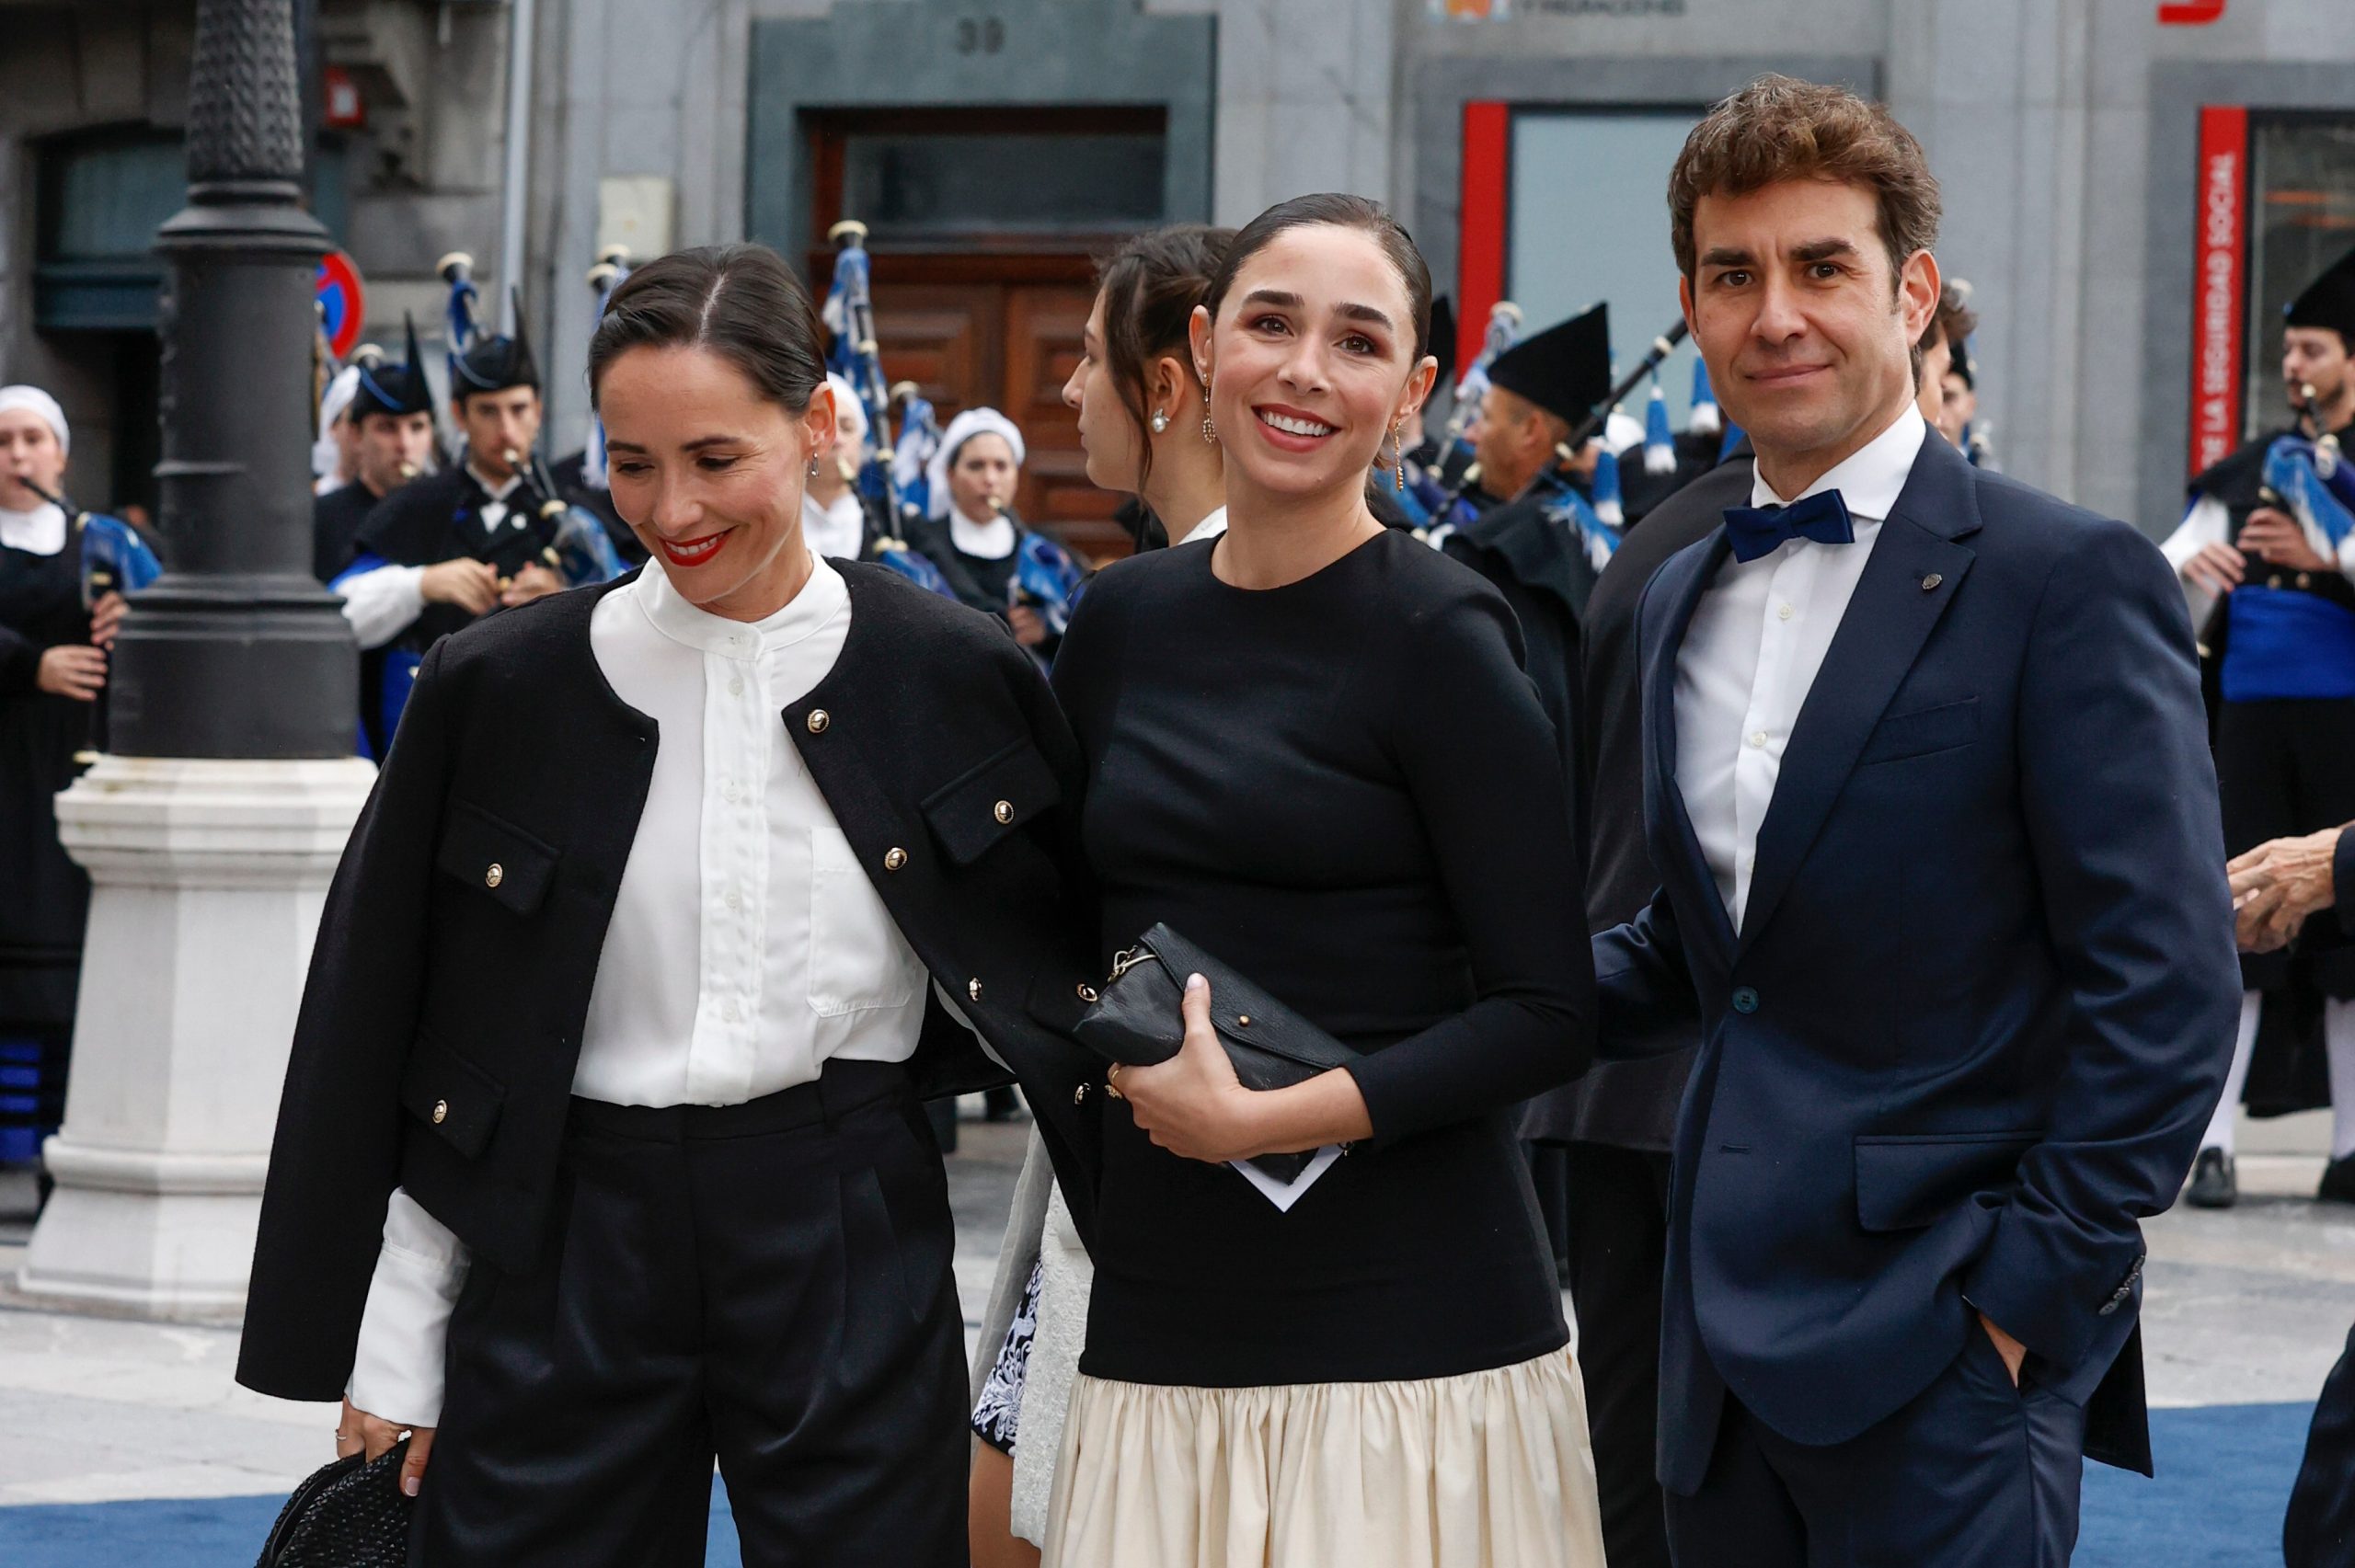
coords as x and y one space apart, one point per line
2224 1474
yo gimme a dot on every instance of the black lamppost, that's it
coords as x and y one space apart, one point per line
236 650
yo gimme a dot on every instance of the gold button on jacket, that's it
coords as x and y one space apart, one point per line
974 990
819 719
894 859
493 874
1006 811
440 1112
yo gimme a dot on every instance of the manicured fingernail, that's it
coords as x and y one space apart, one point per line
1196 982
408 1486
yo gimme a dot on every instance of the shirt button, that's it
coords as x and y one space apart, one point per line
736 686
1786 612
728 793
735 900
1745 1001
729 1013
1757 737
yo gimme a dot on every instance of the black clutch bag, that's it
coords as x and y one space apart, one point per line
349 1515
1138 1018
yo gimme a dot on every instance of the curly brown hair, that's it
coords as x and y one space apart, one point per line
1780 127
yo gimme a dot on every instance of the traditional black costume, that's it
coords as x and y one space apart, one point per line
2279 671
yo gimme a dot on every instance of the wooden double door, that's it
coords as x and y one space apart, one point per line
1003 331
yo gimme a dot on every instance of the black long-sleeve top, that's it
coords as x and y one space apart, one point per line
1346 789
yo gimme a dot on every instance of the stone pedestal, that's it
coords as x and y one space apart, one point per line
207 881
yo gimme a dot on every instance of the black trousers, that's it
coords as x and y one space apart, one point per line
767 1284
1971 1473
2319 1531
1618 1247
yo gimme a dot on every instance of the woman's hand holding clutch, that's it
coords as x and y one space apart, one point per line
359 1433
1194 1106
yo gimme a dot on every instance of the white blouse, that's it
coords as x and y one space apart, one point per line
747 947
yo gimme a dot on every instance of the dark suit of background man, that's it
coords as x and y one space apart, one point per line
1529 540
1942 881
1614 1124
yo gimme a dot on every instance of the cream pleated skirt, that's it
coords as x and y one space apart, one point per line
1489 1470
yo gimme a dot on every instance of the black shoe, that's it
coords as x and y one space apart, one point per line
2214 1186
2337 1181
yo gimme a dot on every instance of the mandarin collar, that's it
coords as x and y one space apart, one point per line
821 598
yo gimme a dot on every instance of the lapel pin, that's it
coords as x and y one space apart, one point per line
1930 583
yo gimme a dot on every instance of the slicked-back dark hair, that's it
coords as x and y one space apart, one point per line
742 302
1342 212
1151 285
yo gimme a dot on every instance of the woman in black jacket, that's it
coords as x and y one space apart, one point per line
600 1153
1310 749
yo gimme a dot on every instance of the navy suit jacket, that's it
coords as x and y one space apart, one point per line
1984 992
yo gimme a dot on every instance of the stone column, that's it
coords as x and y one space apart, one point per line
212 827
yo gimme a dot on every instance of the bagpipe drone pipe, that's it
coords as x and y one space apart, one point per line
849 314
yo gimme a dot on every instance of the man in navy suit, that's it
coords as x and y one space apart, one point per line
1942 884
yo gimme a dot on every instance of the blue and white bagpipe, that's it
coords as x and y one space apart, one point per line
2312 481
1047 576
1598 534
849 316
114 556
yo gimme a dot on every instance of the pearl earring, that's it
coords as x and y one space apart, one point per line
813 468
1160 421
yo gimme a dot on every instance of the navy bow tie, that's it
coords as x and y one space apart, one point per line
1755 531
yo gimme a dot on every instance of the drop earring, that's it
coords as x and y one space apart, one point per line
1160 421
1210 430
1397 463
813 468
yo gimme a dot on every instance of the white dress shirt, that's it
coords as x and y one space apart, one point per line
1751 654
834 529
380 604
747 947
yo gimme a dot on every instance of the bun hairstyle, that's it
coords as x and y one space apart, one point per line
1344 212
1151 285
740 302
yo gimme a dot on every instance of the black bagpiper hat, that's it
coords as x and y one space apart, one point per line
494 365
1565 369
2328 301
388 388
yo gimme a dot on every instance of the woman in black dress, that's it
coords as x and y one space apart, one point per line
52 666
1310 749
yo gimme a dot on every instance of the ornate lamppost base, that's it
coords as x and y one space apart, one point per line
207 879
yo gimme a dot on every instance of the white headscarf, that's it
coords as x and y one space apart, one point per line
847 401
342 389
43 403
964 428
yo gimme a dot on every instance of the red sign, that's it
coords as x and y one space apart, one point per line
2219 286
341 105
343 302
2191 13
1480 232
